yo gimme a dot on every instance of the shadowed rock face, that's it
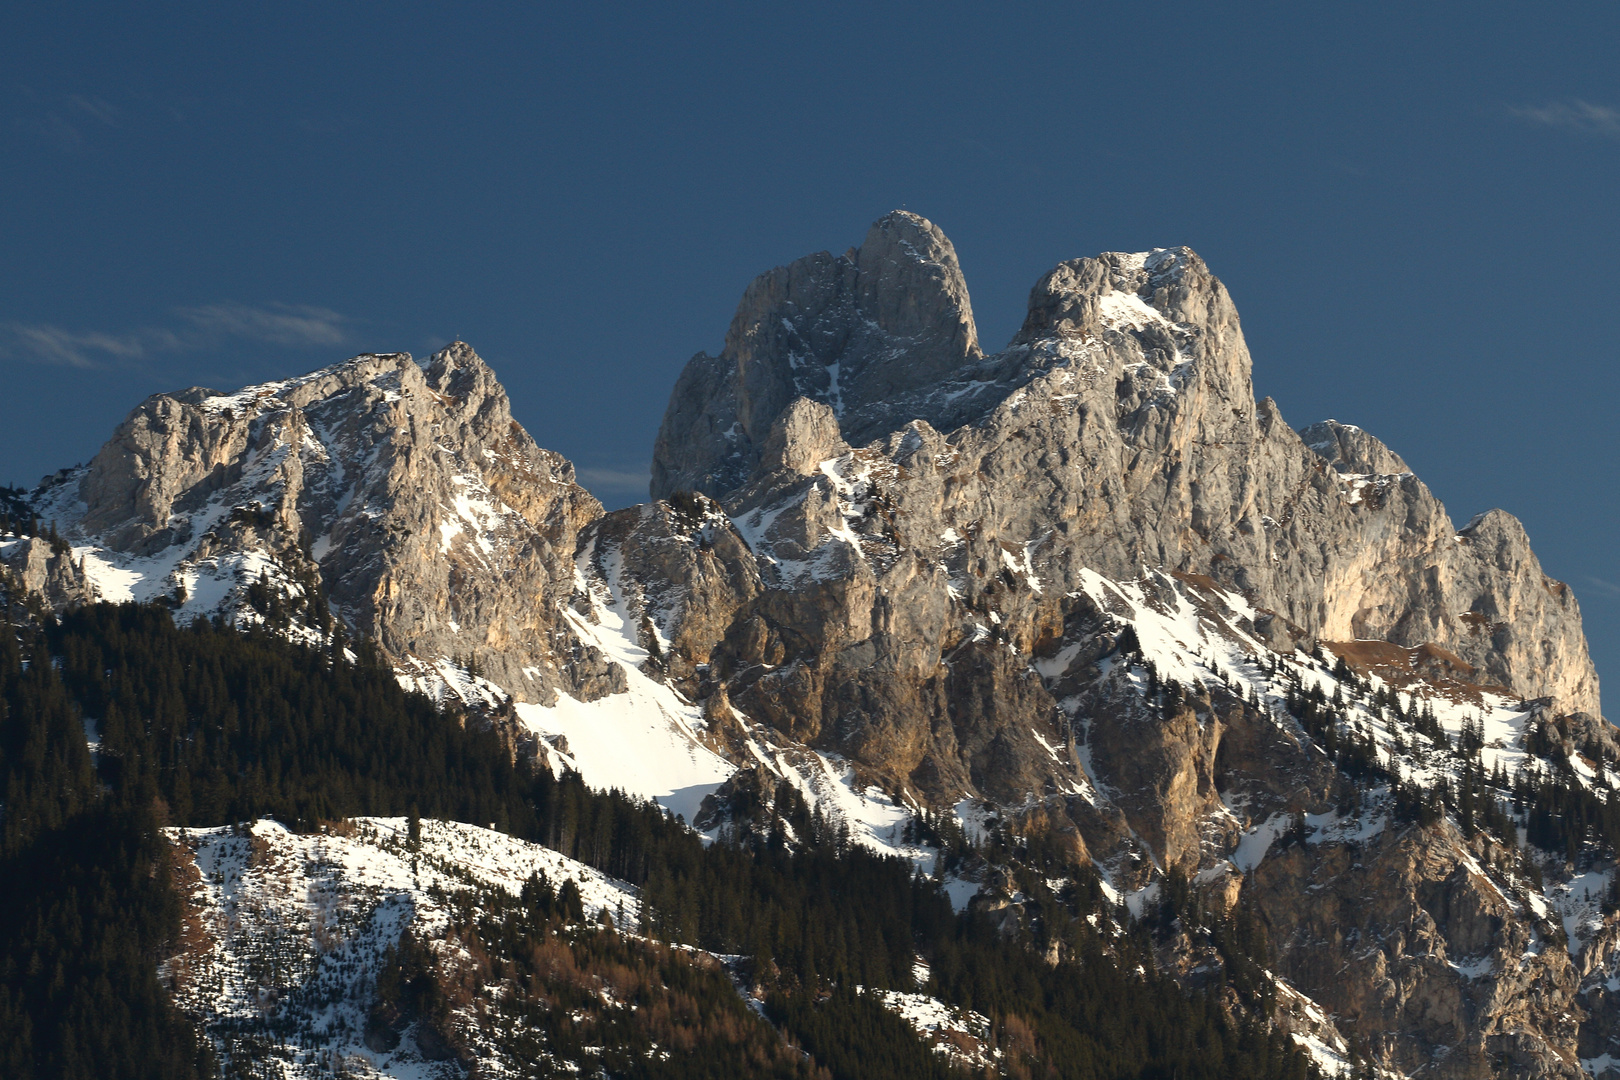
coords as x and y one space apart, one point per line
853 331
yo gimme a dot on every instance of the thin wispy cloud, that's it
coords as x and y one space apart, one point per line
280 324
94 108
67 123
1574 115
614 479
198 328
79 348
1604 588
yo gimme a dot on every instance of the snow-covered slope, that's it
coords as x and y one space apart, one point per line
652 742
286 934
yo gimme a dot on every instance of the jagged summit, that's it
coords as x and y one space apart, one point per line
853 331
401 490
1085 592
1084 297
884 335
1349 449
1118 430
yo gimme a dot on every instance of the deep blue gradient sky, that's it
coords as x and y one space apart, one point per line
1414 207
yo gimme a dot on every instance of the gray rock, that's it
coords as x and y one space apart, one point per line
51 575
1349 449
434 523
851 331
1118 430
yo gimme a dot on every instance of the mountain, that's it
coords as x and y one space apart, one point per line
403 494
1078 618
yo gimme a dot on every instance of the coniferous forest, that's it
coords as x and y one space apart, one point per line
208 725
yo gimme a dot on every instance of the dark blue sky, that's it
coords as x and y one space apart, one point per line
1414 206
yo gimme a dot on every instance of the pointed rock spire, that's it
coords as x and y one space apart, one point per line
850 331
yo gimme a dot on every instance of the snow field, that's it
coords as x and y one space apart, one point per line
644 742
958 1033
648 743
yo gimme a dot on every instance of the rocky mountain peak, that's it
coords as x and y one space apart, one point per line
1087 297
457 369
1085 593
401 490
909 282
1349 449
1118 430
854 332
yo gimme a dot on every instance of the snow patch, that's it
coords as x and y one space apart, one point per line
297 927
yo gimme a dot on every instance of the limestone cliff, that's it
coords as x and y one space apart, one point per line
864 330
948 567
401 493
1084 594
1119 430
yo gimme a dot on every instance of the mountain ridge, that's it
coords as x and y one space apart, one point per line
1085 593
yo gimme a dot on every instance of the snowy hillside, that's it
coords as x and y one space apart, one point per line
289 933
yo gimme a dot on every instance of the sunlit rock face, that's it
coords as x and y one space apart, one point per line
403 492
1117 432
1082 588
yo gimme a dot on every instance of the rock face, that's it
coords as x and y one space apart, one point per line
429 518
1119 430
945 564
857 331
1086 589
685 574
1351 450
1431 910
43 572
910 577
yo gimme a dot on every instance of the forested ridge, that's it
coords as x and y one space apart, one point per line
207 725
